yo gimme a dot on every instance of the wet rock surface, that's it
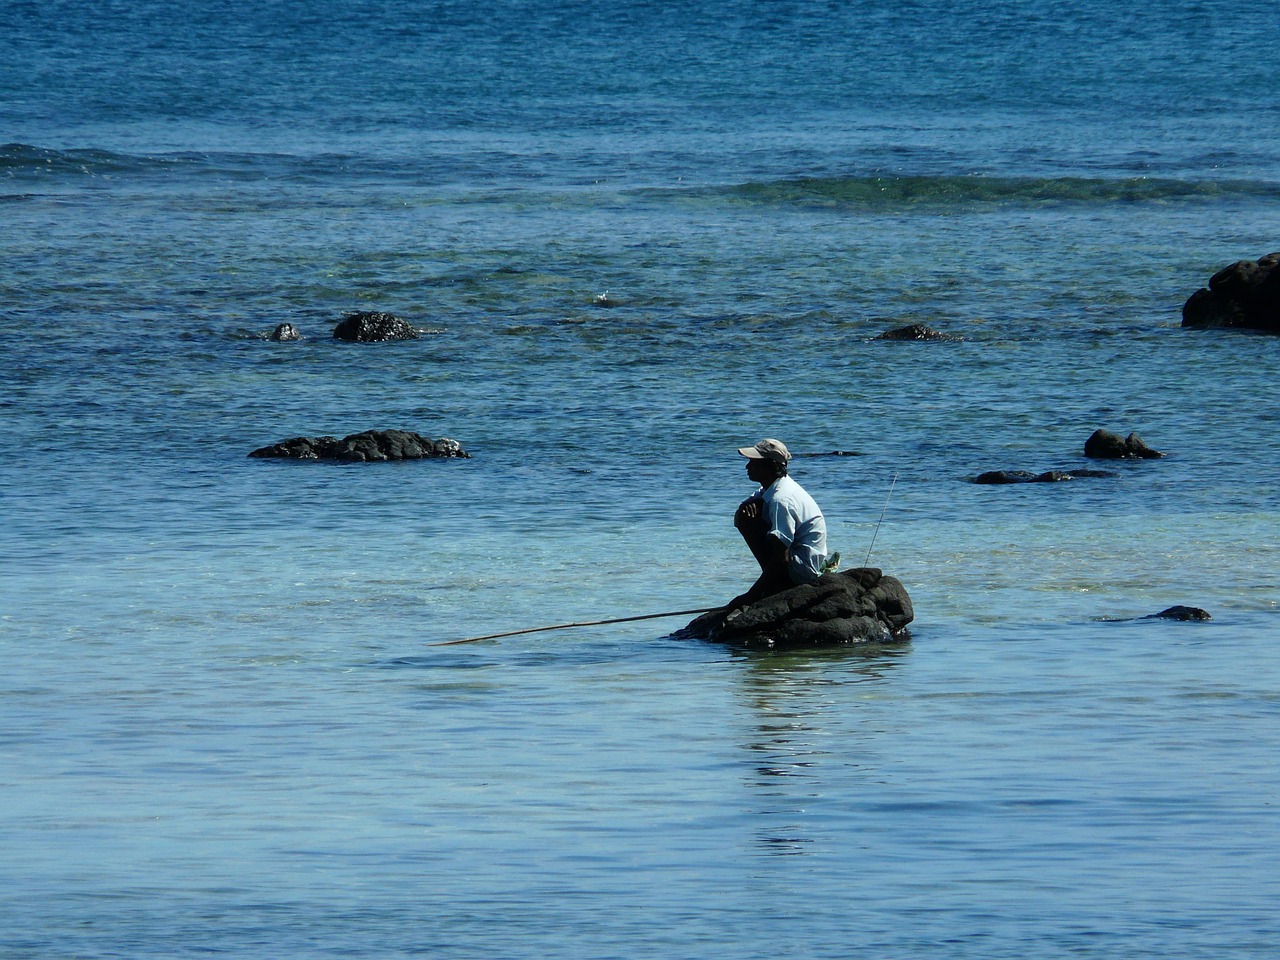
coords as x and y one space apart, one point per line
1104 445
915 331
1026 476
374 328
862 605
1245 294
285 332
1181 613
372 446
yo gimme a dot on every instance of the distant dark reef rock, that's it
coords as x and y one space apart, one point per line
1245 295
372 327
285 332
369 446
1184 614
1101 445
1104 445
993 477
915 331
1180 613
853 606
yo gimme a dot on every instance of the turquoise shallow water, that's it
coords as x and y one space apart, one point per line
221 728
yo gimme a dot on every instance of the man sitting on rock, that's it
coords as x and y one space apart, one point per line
780 523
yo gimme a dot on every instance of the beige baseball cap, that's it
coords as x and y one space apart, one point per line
767 449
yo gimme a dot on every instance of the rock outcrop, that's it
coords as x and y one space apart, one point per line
374 328
1026 476
1104 445
285 332
853 606
1185 614
369 446
1181 613
915 331
1245 295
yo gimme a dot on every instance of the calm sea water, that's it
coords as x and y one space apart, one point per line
222 731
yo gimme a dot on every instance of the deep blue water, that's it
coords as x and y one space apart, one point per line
221 729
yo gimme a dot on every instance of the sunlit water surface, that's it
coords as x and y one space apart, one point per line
223 730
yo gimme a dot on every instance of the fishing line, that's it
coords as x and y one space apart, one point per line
881 520
580 623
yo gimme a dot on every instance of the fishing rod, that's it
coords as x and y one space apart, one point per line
881 520
581 623
643 616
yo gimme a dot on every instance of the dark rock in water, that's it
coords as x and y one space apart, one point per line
1026 476
1004 476
604 301
285 332
853 606
1245 295
1180 613
915 331
371 446
373 328
1104 445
